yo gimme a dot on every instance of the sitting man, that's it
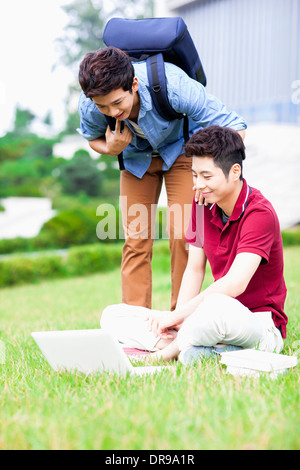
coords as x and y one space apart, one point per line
238 232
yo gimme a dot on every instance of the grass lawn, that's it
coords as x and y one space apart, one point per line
187 408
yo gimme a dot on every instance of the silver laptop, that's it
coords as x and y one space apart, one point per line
87 351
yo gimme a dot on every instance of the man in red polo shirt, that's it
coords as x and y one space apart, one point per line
238 232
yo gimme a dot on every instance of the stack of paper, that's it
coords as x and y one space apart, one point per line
253 362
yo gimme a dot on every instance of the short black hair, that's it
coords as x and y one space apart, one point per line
223 144
105 70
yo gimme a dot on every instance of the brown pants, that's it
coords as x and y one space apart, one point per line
139 198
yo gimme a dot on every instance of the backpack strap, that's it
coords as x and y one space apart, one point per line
158 90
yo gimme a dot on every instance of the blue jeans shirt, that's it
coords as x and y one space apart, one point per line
185 95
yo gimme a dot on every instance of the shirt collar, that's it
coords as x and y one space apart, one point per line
240 205
242 202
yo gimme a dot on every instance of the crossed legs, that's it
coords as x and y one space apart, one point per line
218 321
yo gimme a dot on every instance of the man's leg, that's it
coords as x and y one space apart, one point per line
138 197
222 323
179 184
127 323
222 319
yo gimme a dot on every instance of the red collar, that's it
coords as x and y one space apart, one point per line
239 208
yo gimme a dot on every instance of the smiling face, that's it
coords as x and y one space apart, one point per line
118 103
213 185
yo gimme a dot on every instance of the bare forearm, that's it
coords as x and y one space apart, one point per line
190 286
99 145
193 276
225 286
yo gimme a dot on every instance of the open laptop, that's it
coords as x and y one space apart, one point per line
87 351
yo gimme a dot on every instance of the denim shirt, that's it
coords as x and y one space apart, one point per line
185 95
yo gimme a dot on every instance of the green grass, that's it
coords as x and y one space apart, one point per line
185 408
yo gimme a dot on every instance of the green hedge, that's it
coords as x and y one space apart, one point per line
93 258
82 260
78 261
291 237
29 270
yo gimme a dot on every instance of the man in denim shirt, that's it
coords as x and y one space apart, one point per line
152 151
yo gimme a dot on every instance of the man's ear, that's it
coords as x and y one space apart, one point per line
236 171
135 84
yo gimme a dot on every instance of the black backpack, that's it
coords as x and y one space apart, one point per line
156 40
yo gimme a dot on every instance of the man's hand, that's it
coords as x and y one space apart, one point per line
160 322
117 141
242 133
198 197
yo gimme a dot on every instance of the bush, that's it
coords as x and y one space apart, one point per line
28 270
78 261
41 148
72 227
291 237
27 176
93 258
12 148
16 245
81 175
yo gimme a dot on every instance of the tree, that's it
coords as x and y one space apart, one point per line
23 120
81 175
84 33
87 20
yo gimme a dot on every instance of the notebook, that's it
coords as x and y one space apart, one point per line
88 351
254 362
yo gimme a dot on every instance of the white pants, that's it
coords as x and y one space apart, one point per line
219 319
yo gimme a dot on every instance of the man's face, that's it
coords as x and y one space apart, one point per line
212 183
118 103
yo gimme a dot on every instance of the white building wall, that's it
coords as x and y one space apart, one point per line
250 51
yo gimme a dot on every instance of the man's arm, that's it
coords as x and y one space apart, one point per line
190 97
233 284
193 276
191 284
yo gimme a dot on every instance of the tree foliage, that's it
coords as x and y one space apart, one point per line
84 31
81 175
23 120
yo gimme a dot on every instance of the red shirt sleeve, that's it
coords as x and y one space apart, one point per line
257 233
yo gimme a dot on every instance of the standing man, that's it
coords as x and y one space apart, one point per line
152 151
